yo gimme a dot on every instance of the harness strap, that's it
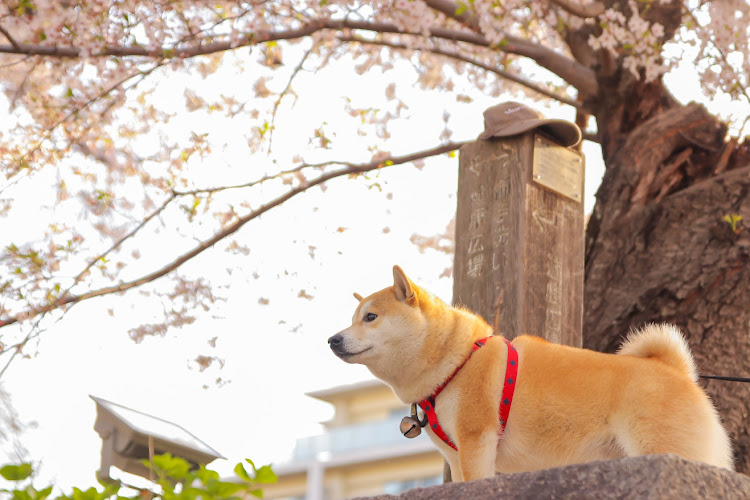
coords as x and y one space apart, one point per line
506 398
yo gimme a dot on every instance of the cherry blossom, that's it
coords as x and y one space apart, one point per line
90 120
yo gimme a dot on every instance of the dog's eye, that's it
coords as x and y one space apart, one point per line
370 317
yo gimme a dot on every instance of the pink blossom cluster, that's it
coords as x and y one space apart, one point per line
721 31
413 16
634 39
532 18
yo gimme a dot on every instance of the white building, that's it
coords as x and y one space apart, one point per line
362 451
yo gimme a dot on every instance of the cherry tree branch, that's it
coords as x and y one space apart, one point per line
350 169
265 178
451 10
36 331
453 55
200 49
24 81
578 75
283 93
48 133
570 70
19 61
9 37
466 17
122 240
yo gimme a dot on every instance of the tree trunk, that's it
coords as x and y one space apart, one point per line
658 248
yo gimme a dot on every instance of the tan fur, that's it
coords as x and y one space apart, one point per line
570 405
664 342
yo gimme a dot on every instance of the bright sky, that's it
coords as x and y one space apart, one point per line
274 353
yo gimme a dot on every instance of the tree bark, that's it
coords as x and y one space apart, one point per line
657 247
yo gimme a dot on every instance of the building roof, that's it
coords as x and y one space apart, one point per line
341 390
149 425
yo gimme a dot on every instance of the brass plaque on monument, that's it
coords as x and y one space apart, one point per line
558 168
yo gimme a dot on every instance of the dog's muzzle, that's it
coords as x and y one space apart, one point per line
336 343
337 346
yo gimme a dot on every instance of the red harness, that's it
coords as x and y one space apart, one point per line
511 371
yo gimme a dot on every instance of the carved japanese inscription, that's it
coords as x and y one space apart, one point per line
519 241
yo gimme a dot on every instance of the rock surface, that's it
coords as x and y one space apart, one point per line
653 476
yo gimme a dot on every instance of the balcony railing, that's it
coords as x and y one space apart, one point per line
350 438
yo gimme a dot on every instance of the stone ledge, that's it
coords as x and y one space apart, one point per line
652 476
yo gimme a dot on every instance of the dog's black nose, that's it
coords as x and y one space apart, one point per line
336 340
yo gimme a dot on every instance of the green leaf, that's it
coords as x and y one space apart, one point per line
174 467
110 489
223 489
42 494
239 469
89 494
167 487
733 220
16 472
24 7
265 475
21 495
190 493
257 493
205 475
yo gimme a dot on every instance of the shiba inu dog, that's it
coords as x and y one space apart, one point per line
566 405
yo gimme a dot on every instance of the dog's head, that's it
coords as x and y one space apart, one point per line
385 327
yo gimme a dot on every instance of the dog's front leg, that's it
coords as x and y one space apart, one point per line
477 452
455 466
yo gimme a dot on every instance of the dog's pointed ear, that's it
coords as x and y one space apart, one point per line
403 287
358 296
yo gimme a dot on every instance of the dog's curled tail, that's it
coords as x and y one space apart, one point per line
664 342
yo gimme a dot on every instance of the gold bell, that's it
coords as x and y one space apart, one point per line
410 427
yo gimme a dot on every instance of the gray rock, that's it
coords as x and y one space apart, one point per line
652 476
